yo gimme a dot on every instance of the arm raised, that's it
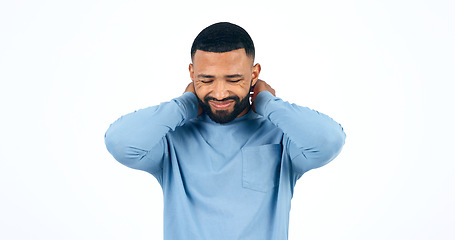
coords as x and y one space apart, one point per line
314 139
137 140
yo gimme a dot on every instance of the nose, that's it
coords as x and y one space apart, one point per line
220 90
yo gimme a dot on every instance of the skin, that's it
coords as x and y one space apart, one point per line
223 75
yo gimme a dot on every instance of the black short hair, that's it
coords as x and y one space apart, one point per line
223 37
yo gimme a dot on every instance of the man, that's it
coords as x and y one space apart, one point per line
227 168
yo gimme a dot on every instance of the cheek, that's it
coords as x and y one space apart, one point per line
246 88
201 92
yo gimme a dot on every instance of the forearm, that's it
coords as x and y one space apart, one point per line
136 139
315 138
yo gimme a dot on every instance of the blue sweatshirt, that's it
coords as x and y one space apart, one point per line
225 181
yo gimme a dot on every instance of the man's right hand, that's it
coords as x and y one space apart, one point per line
190 88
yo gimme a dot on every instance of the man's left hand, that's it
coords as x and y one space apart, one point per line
259 87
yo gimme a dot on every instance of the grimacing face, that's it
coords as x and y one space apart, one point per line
222 83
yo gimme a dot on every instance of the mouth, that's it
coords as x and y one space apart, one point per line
223 105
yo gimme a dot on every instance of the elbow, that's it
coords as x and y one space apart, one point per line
133 156
331 146
117 146
328 149
325 148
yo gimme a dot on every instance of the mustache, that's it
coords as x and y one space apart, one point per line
235 98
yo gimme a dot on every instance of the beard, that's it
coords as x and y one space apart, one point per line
224 116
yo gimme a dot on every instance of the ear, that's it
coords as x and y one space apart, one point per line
255 73
191 69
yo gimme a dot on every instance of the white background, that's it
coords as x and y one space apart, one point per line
383 69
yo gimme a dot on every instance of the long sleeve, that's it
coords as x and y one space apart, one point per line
312 138
137 140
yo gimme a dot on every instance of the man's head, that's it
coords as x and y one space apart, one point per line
223 37
222 71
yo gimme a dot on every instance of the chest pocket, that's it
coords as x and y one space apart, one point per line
261 166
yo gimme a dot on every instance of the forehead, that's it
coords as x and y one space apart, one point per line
232 59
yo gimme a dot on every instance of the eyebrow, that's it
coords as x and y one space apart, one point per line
226 76
234 76
205 76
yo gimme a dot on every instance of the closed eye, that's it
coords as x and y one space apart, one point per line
205 78
234 81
